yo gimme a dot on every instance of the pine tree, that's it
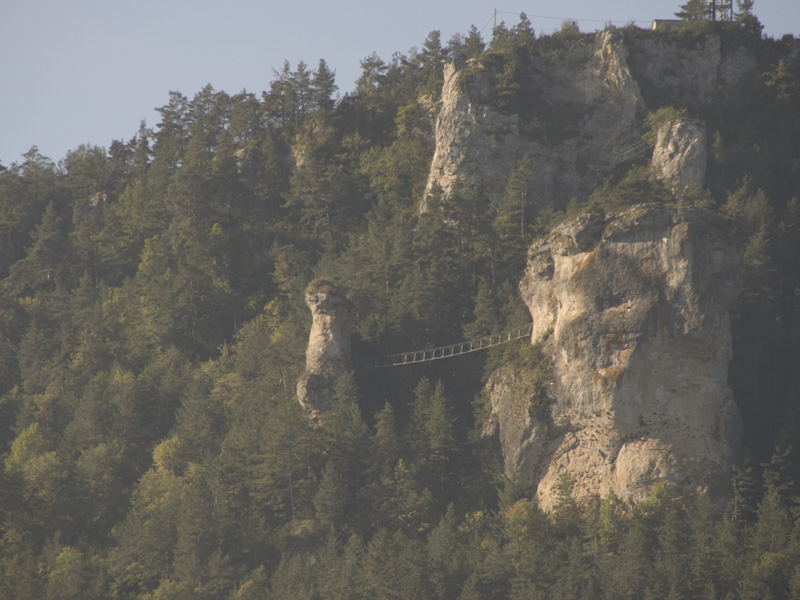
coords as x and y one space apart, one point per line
415 431
386 442
295 578
173 131
323 87
746 18
695 10
373 71
728 552
464 47
488 318
780 474
573 580
440 443
432 60
502 38
286 466
410 507
511 223
671 565
446 559
342 572
147 537
702 559
280 102
395 567
524 37
335 496
746 491
69 577
197 560
565 509
302 88
46 262
769 566
529 545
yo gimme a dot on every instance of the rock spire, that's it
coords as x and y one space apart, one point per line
328 353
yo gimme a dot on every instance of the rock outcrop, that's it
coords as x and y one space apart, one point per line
473 141
690 72
328 354
579 112
679 156
590 84
632 309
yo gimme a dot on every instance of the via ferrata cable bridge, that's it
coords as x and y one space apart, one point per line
631 152
418 356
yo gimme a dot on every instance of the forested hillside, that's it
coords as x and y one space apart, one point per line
153 328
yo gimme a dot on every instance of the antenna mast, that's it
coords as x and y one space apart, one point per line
720 10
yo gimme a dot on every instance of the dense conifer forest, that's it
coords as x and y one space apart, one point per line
153 327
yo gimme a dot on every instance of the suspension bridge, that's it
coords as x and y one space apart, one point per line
418 356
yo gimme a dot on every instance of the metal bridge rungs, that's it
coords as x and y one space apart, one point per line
417 356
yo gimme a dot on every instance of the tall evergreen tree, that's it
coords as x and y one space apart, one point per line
44 267
323 87
695 10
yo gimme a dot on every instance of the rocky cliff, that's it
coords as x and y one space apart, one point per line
632 309
679 156
578 112
328 354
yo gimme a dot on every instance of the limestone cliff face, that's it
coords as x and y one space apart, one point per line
584 106
689 72
473 142
590 85
679 157
328 354
633 310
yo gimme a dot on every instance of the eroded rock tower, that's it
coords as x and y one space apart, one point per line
328 353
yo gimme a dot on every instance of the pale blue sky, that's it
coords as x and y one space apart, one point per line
88 71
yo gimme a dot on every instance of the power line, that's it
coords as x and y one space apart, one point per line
492 18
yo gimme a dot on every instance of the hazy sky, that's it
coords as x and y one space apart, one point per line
88 71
